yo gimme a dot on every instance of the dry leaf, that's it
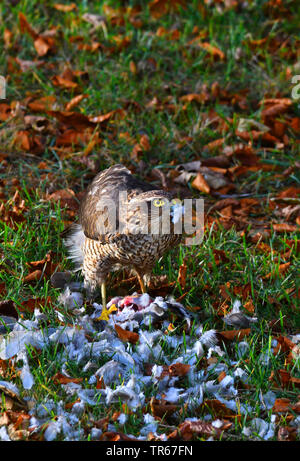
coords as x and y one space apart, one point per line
127 336
200 184
232 335
65 8
181 279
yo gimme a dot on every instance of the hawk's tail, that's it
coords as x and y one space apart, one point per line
74 240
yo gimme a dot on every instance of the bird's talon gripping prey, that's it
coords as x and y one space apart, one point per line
123 223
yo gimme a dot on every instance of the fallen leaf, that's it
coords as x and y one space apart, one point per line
181 279
189 429
8 307
66 197
212 50
232 335
159 8
287 434
65 8
59 378
127 336
179 369
159 408
218 409
282 268
34 276
284 227
200 184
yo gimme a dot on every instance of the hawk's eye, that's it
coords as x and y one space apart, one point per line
158 202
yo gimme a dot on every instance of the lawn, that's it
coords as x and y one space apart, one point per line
154 86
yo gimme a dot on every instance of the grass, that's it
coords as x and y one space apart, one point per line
167 69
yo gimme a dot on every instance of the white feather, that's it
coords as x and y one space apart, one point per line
74 242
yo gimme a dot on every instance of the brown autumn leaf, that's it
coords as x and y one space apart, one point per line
225 290
249 306
43 45
44 267
65 8
274 110
100 383
71 119
121 113
75 101
127 336
179 369
200 184
73 137
34 276
159 8
282 268
212 50
284 405
12 211
26 27
287 380
144 142
63 82
66 197
31 304
181 279
7 37
132 67
142 146
190 429
102 423
59 378
42 104
11 400
231 335
254 135
287 434
284 227
193 97
273 101
213 145
218 409
5 112
2 289
160 409
226 212
244 291
219 256
116 437
8 307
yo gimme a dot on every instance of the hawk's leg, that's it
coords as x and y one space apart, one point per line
95 273
141 282
143 278
103 295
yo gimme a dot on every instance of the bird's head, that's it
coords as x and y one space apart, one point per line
161 209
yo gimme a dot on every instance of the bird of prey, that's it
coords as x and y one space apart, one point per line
124 222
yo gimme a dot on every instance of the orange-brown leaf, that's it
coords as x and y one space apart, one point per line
127 336
231 335
65 8
200 184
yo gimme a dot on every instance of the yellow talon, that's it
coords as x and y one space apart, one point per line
106 313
